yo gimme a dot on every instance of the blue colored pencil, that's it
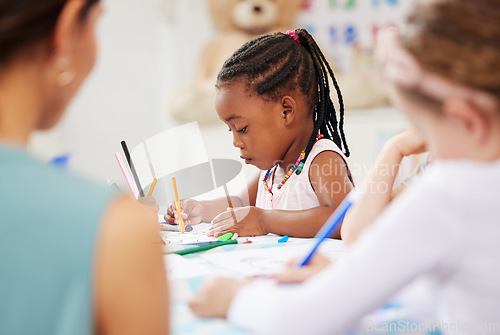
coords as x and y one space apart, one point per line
331 224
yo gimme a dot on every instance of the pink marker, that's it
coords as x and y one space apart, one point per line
125 172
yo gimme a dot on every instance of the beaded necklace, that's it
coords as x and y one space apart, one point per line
299 165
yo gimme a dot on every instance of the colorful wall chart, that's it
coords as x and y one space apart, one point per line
341 25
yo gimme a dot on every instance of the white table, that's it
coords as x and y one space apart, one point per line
263 256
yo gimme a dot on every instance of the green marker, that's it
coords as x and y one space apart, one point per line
203 247
225 237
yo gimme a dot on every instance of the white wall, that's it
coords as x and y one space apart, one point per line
122 97
147 49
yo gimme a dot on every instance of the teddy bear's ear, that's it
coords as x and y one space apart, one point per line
288 12
221 13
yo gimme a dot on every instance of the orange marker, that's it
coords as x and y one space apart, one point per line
178 205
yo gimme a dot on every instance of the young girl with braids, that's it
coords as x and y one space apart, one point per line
274 95
444 74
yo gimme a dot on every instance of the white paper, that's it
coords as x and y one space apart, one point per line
179 267
269 260
195 236
141 165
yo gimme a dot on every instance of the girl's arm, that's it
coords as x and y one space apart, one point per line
378 188
330 180
212 208
336 299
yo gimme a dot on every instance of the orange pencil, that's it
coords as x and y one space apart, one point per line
152 187
178 205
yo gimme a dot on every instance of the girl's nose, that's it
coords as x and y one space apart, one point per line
237 141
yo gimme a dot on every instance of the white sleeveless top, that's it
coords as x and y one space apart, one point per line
297 193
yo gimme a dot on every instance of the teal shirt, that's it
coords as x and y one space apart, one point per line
49 222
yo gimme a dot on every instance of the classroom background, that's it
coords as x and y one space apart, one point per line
149 48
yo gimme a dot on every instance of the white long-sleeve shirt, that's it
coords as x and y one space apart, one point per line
444 231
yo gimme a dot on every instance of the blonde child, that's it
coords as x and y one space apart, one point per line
444 75
273 94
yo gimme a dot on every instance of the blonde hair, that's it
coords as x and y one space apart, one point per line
458 39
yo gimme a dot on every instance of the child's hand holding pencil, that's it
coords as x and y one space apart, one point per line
191 211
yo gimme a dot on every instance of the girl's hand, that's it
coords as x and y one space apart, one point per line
408 142
293 274
215 296
150 204
248 222
192 211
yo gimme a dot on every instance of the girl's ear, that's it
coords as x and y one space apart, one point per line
289 108
471 120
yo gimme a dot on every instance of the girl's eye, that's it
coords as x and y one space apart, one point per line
242 130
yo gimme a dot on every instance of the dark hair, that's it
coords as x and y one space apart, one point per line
25 22
274 64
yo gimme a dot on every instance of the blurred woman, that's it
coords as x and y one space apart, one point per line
74 257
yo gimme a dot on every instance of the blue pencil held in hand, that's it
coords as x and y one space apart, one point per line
331 224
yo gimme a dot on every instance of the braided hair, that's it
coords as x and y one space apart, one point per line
276 63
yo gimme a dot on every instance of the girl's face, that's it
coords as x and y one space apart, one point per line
258 125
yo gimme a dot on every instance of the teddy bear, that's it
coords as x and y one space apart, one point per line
236 22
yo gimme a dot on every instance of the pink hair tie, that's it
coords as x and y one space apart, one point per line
295 37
